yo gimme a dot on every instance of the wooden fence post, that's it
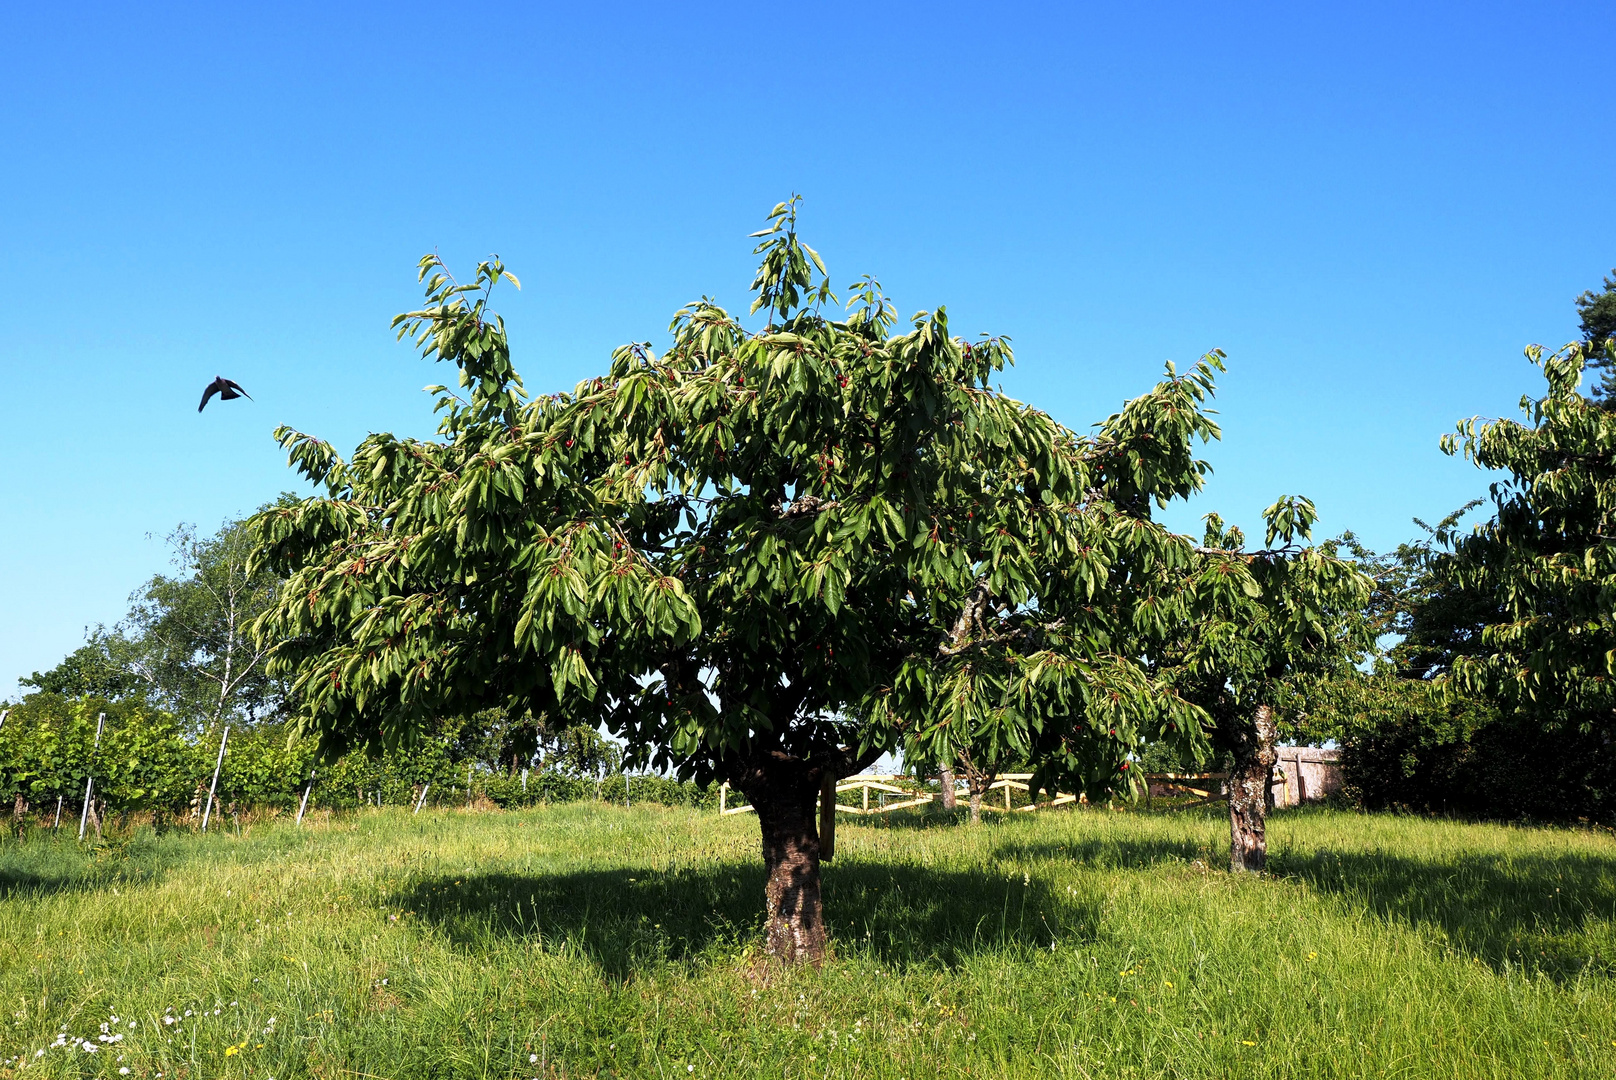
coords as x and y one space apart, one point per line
827 818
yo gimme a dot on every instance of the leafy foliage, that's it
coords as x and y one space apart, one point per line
1414 739
1596 318
1247 628
144 761
183 648
756 542
1041 663
105 666
1547 557
190 629
148 760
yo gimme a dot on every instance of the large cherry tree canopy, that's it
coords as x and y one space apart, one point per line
818 539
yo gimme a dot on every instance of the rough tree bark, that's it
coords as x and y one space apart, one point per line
785 790
979 606
950 797
1251 774
977 783
788 791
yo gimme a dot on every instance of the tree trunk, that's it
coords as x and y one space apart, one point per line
1251 775
786 794
977 783
950 797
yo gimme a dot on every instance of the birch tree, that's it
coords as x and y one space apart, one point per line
191 642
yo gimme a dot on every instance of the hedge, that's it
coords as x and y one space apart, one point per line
148 761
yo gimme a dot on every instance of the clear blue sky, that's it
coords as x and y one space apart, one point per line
1372 208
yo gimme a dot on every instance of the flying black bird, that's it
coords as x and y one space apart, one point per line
227 389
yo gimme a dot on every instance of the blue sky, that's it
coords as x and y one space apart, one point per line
1372 208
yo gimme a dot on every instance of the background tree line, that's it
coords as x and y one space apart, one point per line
181 666
149 761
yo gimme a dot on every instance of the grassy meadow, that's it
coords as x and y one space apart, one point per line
591 941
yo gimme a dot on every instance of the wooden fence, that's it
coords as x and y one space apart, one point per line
895 791
1301 774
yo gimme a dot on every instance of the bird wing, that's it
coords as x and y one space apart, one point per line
213 388
234 385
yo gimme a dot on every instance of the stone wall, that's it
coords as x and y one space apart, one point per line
1310 774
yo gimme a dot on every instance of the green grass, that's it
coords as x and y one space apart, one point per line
623 943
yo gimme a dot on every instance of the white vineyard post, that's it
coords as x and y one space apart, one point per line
58 822
89 781
422 800
206 810
304 805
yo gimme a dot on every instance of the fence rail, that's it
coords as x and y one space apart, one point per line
887 784
1204 786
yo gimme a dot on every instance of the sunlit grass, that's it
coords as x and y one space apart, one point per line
596 941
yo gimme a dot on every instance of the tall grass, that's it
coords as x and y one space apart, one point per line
593 941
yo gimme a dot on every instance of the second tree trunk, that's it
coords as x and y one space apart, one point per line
1251 775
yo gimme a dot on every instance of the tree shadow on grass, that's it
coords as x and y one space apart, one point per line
626 918
46 865
1553 915
1108 853
908 819
22 884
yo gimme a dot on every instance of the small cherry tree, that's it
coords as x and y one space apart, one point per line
1238 633
749 556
